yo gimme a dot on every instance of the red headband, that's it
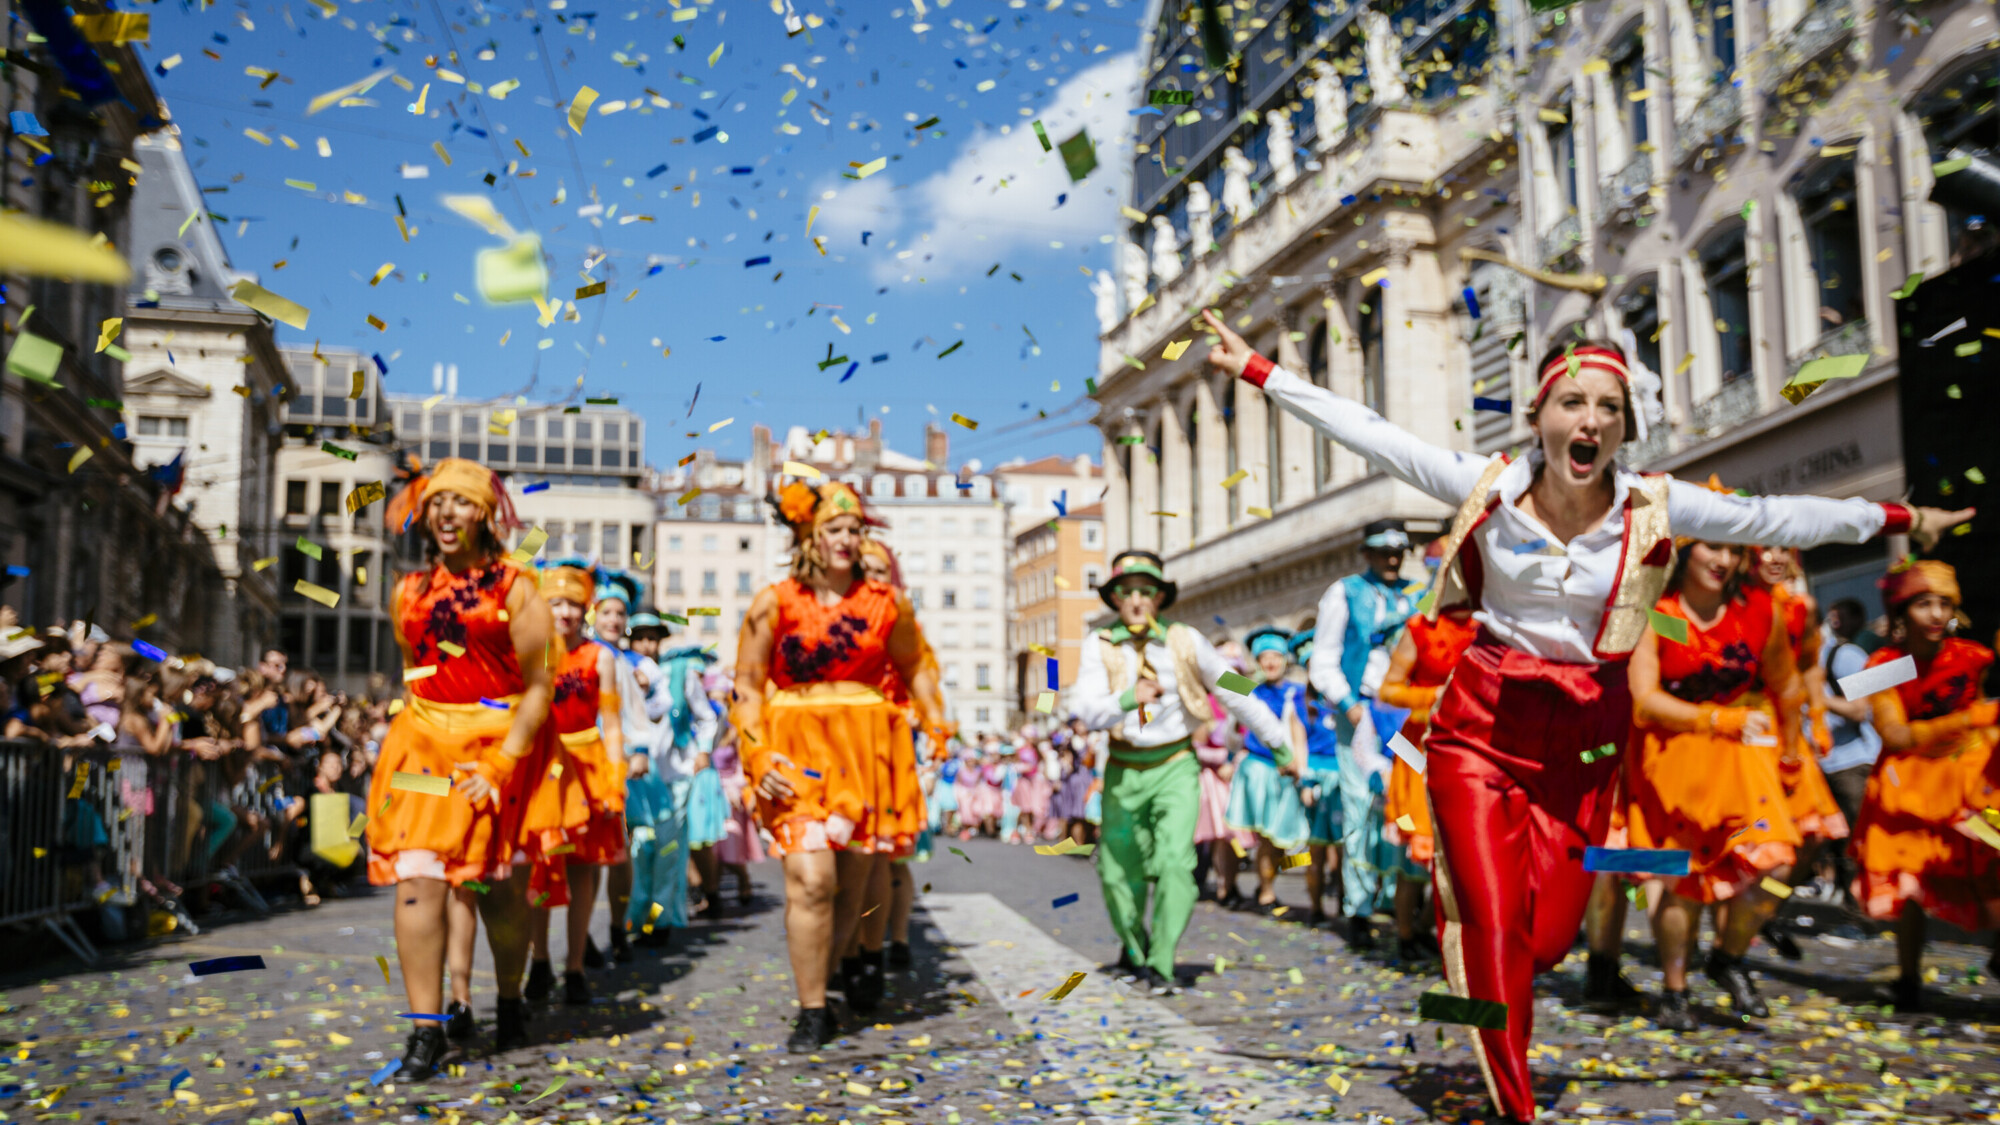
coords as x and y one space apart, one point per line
1589 355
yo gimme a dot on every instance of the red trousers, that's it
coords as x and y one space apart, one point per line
1514 805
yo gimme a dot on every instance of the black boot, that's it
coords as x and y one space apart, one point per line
1127 968
1411 951
459 1027
864 984
541 982
1360 933
576 990
592 959
813 1029
421 1055
1604 984
1675 1013
899 955
1729 973
1907 993
510 1024
1781 942
621 946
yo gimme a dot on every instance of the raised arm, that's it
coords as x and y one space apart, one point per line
1248 709
1927 736
1446 474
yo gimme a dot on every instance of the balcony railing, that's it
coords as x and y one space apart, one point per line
1627 189
1827 25
1719 110
1562 238
1735 403
1853 338
1639 454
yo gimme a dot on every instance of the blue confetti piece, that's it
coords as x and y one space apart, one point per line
851 369
538 486
1471 302
717 339
381 364
1065 900
741 170
864 236
17 572
1496 405
299 1115
1347 201
1636 861
1530 547
814 774
1061 501
654 270
1219 620
705 134
422 1016
959 63
1143 110
24 124
151 652
1055 679
226 965
496 704
700 114
883 358
174 1082
381 1076
762 261
655 172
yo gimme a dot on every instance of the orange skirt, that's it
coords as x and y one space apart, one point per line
1406 796
1716 798
431 738
596 784
1909 845
1810 798
848 747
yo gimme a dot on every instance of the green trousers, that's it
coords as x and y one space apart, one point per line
1148 837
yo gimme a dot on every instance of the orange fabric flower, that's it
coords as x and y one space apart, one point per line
796 503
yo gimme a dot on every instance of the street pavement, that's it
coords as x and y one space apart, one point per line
1280 1021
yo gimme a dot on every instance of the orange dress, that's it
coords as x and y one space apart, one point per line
1439 645
574 713
1717 797
827 716
899 788
459 712
1910 848
1807 794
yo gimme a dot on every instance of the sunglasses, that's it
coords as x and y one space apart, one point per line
1133 590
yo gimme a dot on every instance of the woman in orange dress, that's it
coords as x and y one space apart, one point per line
1418 669
585 716
820 642
1699 773
1918 851
473 630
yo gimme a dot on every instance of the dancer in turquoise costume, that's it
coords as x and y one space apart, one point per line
1263 795
684 735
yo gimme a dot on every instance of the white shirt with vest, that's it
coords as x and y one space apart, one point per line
1102 706
1538 595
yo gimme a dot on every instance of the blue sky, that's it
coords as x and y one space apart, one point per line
909 249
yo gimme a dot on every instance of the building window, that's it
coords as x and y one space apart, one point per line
982 636
1628 81
642 542
610 431
949 635
1727 276
949 599
1093 575
329 498
610 543
709 626
582 430
981 527
555 428
708 585
1093 535
673 581
916 486
708 543
1715 22
982 677
1640 311
948 527
982 714
949 563
916 594
916 563
950 674
1833 238
674 543
982 598
295 500
882 484
916 525
155 425
743 582
982 562
742 544
1562 151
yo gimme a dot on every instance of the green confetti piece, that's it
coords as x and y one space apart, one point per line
1090 386
958 853
1488 1015
309 548
476 887
1079 155
1170 97
1909 285
104 403
1672 628
1970 347
1975 476
343 454
553 1086
1131 439
1944 168
1236 682
951 349
1042 135
601 401
1296 976
675 618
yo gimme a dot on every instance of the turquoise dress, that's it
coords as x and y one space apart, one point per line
1262 799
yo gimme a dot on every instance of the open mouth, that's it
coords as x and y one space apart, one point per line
1582 455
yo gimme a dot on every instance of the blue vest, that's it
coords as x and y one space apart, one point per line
1276 697
1322 733
680 716
1375 610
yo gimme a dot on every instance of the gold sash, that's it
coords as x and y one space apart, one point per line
839 693
460 717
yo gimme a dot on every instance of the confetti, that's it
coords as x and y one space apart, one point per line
579 107
1403 749
242 964
424 783
270 304
1668 626
1881 677
553 1087
317 593
1443 1007
1236 682
964 421
1065 900
1066 987
1636 861
1175 350
1774 887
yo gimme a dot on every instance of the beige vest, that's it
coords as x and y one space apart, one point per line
1121 671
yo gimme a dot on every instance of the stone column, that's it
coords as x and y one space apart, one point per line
1344 373
1176 462
1417 348
1117 497
1211 454
1247 430
1295 438
1145 474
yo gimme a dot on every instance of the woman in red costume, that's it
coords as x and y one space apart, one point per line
585 717
1712 713
1922 851
1561 553
473 631
1418 669
820 642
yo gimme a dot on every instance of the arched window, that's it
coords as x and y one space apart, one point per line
916 485
883 484
1322 374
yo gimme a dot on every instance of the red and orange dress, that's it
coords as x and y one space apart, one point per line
1439 644
1807 794
1706 791
827 715
1911 847
461 687
898 786
574 711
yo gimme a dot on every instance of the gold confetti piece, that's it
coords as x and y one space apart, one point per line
79 457
1175 350
145 621
683 498
1597 66
263 564
1405 823
964 421
531 545
1340 1085
1776 888
714 55
41 249
1292 861
800 469
365 494
1236 478
1373 276
579 107
320 594
863 171
428 784
420 672
1132 213
270 304
1260 513
719 425
107 333
859 1090
115 27
385 271
377 323
302 185
1066 987
359 826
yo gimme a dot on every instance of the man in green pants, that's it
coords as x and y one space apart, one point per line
1147 682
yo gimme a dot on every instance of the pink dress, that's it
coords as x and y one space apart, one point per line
984 798
1212 814
1032 793
740 843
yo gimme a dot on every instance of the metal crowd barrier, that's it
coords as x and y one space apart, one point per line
82 827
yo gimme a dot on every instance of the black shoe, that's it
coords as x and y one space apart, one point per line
1231 900
1153 981
1729 973
1907 993
1781 943
621 946
712 909
459 1027
1411 951
1674 1012
541 982
576 990
812 1030
899 955
421 1055
510 1024
1316 918
592 959
1604 984
865 983
1360 934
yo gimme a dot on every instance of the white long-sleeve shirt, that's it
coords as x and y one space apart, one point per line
678 761
1102 707
1538 595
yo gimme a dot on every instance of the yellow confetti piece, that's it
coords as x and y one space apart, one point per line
386 269
302 185
115 27
270 304
450 649
342 93
800 469
964 421
1236 478
1132 213
863 171
714 55
79 457
1175 350
531 545
320 594
1597 66
359 826
1292 861
254 135
859 1090
1066 987
1046 702
427 784
264 564
684 497
579 107
107 333
1260 513
43 249
719 425
1340 1085
145 621
1373 276
1776 888
377 323
420 672
1405 823
365 494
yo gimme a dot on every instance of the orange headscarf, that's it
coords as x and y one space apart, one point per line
1906 583
881 551
469 479
569 582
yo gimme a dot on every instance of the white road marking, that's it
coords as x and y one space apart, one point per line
1132 1057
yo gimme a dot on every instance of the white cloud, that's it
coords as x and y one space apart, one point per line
998 195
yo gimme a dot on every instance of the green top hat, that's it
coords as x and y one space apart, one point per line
1138 566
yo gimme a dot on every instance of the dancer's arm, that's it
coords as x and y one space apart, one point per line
1930 736
1786 689
1657 708
907 650
1091 698
705 720
1248 709
1329 645
532 630
610 726
753 667
1396 689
